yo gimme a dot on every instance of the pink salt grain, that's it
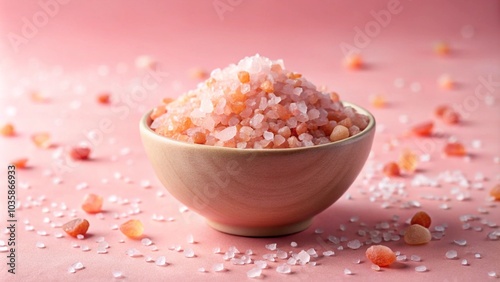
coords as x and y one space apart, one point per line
416 234
380 255
256 103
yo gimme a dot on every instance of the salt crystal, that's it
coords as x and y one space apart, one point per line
283 268
415 258
303 257
401 258
146 242
282 254
293 244
451 254
354 244
461 242
80 237
202 269
465 262
271 247
261 263
477 255
375 267
40 245
216 250
117 274
78 266
218 267
189 253
254 272
492 274
421 268
71 269
347 271
190 239
328 253
161 261
133 253
318 231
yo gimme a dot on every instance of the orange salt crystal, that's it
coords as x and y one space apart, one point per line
334 96
20 163
423 129
442 48
378 101
237 107
446 82
92 203
347 122
391 169
353 61
380 255
455 149
244 76
421 218
41 139
495 192
157 112
76 227
79 153
7 130
408 160
339 132
416 234
293 75
301 128
267 86
199 138
103 98
198 73
132 228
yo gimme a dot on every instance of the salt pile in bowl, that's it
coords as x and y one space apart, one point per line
258 104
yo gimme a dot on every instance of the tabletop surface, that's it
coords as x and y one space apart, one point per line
57 56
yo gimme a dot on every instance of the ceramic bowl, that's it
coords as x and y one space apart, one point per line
257 192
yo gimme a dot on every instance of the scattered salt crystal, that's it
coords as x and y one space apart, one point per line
328 253
283 268
80 237
216 250
465 262
189 253
85 248
42 233
183 209
71 269
271 247
303 257
146 242
117 274
357 261
282 254
451 254
190 239
461 242
161 261
401 258
375 267
261 263
249 252
354 244
415 258
477 255
202 269
421 268
133 253
254 272
218 267
318 231
234 250
78 266
347 271
40 245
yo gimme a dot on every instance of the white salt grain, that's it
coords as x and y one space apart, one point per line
117 274
421 268
451 254
492 274
133 253
146 242
328 253
190 239
347 271
284 269
461 242
78 266
161 261
218 267
71 270
254 272
354 244
303 257
189 253
271 247
465 262
261 263
375 267
40 245
293 244
202 269
415 258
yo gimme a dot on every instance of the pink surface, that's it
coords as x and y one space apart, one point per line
89 47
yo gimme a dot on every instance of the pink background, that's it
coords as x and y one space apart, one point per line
87 47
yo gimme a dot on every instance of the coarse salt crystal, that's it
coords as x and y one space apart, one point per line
347 271
421 268
189 253
451 254
283 268
254 272
218 267
161 261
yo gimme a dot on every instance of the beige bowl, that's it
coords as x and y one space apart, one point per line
257 192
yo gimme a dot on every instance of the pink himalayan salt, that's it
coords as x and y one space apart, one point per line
257 103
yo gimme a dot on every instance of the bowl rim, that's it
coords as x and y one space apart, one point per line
144 126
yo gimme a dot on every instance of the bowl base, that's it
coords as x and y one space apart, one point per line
261 231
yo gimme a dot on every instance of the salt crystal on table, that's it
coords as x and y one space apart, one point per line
354 244
117 274
78 266
218 267
249 252
189 253
415 258
293 244
283 268
347 271
303 257
461 242
282 254
421 268
451 254
261 263
328 253
146 242
375 267
71 270
161 261
465 262
492 274
85 248
133 253
254 272
40 245
202 269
